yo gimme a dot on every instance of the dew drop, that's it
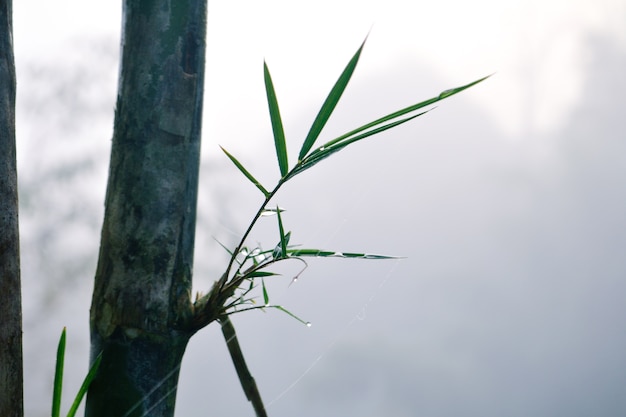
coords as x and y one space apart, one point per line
446 93
271 211
308 324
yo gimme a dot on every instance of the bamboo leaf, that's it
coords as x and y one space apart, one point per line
284 310
85 386
329 104
364 256
246 173
402 112
223 246
324 152
453 91
310 252
332 254
260 274
377 126
277 124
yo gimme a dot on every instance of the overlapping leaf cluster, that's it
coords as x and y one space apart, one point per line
250 265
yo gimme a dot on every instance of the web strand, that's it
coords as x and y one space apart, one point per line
360 315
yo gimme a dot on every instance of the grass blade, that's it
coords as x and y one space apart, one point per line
329 104
85 386
246 173
277 124
58 377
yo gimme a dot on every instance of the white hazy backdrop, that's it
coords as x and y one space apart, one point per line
507 201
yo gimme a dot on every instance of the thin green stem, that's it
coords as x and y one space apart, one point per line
256 217
287 177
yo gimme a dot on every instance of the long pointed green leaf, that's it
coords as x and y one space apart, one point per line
277 124
355 135
85 386
324 152
246 173
330 254
223 247
257 274
284 310
329 104
58 377
406 110
453 91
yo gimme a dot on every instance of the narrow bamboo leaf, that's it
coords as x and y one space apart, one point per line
310 252
223 246
284 310
266 297
324 152
260 274
246 173
277 124
364 256
331 254
58 377
404 111
337 145
329 104
85 386
453 91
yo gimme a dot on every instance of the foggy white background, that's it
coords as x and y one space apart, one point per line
507 201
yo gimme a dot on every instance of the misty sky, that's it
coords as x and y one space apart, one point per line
507 202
